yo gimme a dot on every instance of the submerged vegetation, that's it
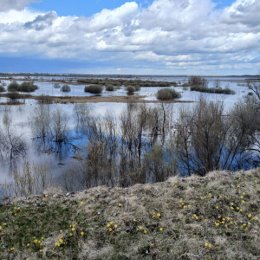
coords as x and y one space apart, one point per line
216 217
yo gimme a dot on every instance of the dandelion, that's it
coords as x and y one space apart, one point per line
208 245
57 244
155 215
194 216
111 226
217 224
60 242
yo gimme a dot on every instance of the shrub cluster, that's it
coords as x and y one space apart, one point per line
198 81
65 88
27 86
127 82
13 96
56 85
2 89
13 86
130 90
218 90
110 88
167 94
94 89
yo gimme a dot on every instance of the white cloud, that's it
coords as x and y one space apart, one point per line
182 35
6 5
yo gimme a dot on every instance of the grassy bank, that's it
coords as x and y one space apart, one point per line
215 217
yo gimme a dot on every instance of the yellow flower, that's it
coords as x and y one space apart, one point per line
208 245
249 215
161 229
82 233
145 232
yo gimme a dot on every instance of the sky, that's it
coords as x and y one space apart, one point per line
161 37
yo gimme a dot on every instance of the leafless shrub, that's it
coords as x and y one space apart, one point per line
59 126
82 114
208 140
198 81
29 181
11 144
40 121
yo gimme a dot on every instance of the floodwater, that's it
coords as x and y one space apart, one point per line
58 158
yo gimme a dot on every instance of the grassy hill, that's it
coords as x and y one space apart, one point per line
215 217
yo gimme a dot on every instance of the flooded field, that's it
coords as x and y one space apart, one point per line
65 145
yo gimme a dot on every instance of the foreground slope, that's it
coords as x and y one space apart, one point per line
215 217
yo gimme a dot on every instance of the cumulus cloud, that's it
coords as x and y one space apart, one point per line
6 5
169 35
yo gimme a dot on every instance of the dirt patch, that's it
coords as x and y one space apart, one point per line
90 99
